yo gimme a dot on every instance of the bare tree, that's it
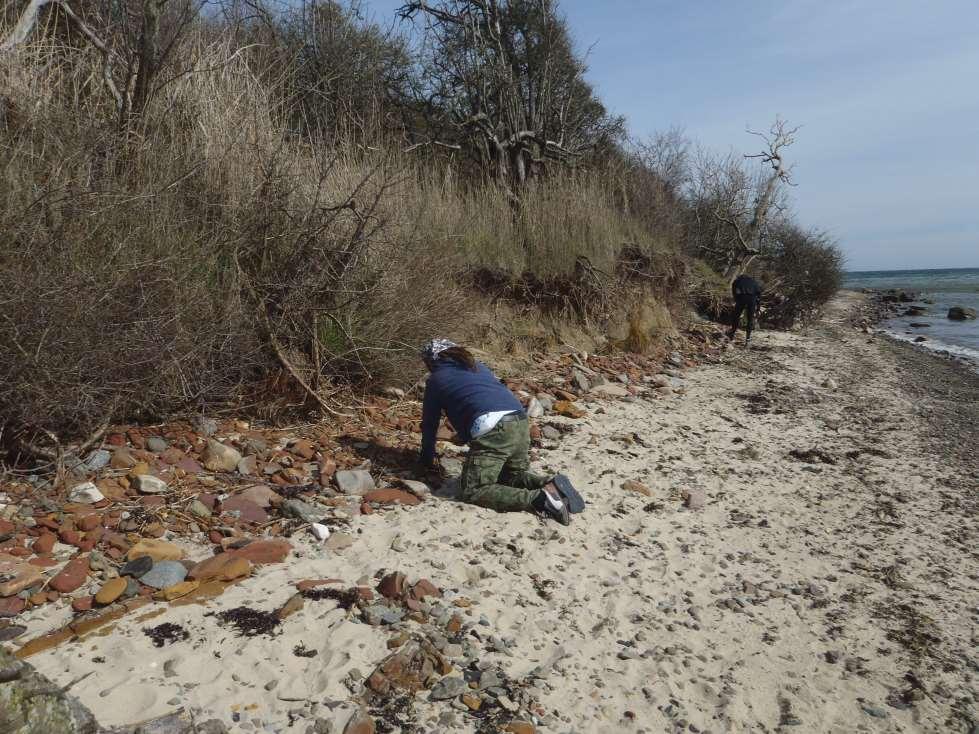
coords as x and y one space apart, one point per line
503 83
136 40
732 205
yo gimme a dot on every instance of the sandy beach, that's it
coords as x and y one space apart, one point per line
828 583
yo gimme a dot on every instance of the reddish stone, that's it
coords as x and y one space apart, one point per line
392 586
365 593
115 554
88 522
265 551
172 456
115 439
423 588
43 561
82 603
535 433
86 544
72 575
303 449
189 465
328 468
454 625
249 511
152 500
49 523
215 537
146 591
136 439
69 536
391 496
95 535
224 567
20 551
413 605
11 606
53 596
308 584
6 526
366 509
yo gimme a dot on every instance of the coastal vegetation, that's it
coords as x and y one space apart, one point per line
257 206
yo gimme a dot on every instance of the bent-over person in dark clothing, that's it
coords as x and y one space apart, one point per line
747 293
487 416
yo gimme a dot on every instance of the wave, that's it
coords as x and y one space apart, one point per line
966 354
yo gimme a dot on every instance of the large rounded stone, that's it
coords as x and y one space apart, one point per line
72 576
164 574
158 550
222 567
264 551
111 590
136 567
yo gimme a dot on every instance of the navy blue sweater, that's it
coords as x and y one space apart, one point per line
463 395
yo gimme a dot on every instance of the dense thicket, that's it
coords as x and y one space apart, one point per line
257 206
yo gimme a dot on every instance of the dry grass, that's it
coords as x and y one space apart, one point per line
173 269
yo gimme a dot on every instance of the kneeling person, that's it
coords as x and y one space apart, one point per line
492 421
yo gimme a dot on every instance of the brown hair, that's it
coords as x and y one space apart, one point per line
460 355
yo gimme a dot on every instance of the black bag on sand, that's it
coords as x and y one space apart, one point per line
574 501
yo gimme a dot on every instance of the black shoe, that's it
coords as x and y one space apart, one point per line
552 508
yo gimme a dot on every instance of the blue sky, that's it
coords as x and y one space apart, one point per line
887 93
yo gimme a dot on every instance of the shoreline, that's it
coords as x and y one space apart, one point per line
876 310
828 581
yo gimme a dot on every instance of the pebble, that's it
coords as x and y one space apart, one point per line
447 688
148 484
156 549
110 591
164 574
354 481
300 510
85 494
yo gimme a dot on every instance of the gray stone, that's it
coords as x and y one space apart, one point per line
874 711
610 389
219 457
447 688
156 444
535 409
579 381
148 484
136 567
961 313
98 459
85 494
354 481
301 511
164 574
199 509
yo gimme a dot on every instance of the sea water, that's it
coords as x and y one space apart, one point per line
946 288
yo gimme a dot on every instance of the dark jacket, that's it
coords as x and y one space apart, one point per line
745 287
463 395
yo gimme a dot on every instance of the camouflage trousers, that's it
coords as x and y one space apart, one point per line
497 471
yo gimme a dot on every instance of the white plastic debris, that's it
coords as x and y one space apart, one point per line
321 532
